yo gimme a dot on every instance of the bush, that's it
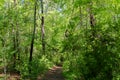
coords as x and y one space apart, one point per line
39 66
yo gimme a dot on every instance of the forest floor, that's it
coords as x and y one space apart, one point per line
10 76
55 73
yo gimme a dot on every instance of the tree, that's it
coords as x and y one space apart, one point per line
42 28
33 36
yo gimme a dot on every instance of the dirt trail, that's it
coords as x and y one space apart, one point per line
10 76
54 74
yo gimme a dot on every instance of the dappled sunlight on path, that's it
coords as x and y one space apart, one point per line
53 74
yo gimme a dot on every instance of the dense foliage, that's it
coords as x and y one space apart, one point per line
82 36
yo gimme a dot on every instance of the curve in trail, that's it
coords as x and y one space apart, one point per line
54 74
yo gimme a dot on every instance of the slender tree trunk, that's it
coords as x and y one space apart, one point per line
93 35
14 37
14 48
92 19
17 41
17 33
33 36
42 28
92 24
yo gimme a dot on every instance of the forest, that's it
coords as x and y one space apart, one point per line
59 39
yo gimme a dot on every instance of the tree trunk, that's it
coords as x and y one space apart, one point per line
17 33
33 36
92 19
42 28
15 36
